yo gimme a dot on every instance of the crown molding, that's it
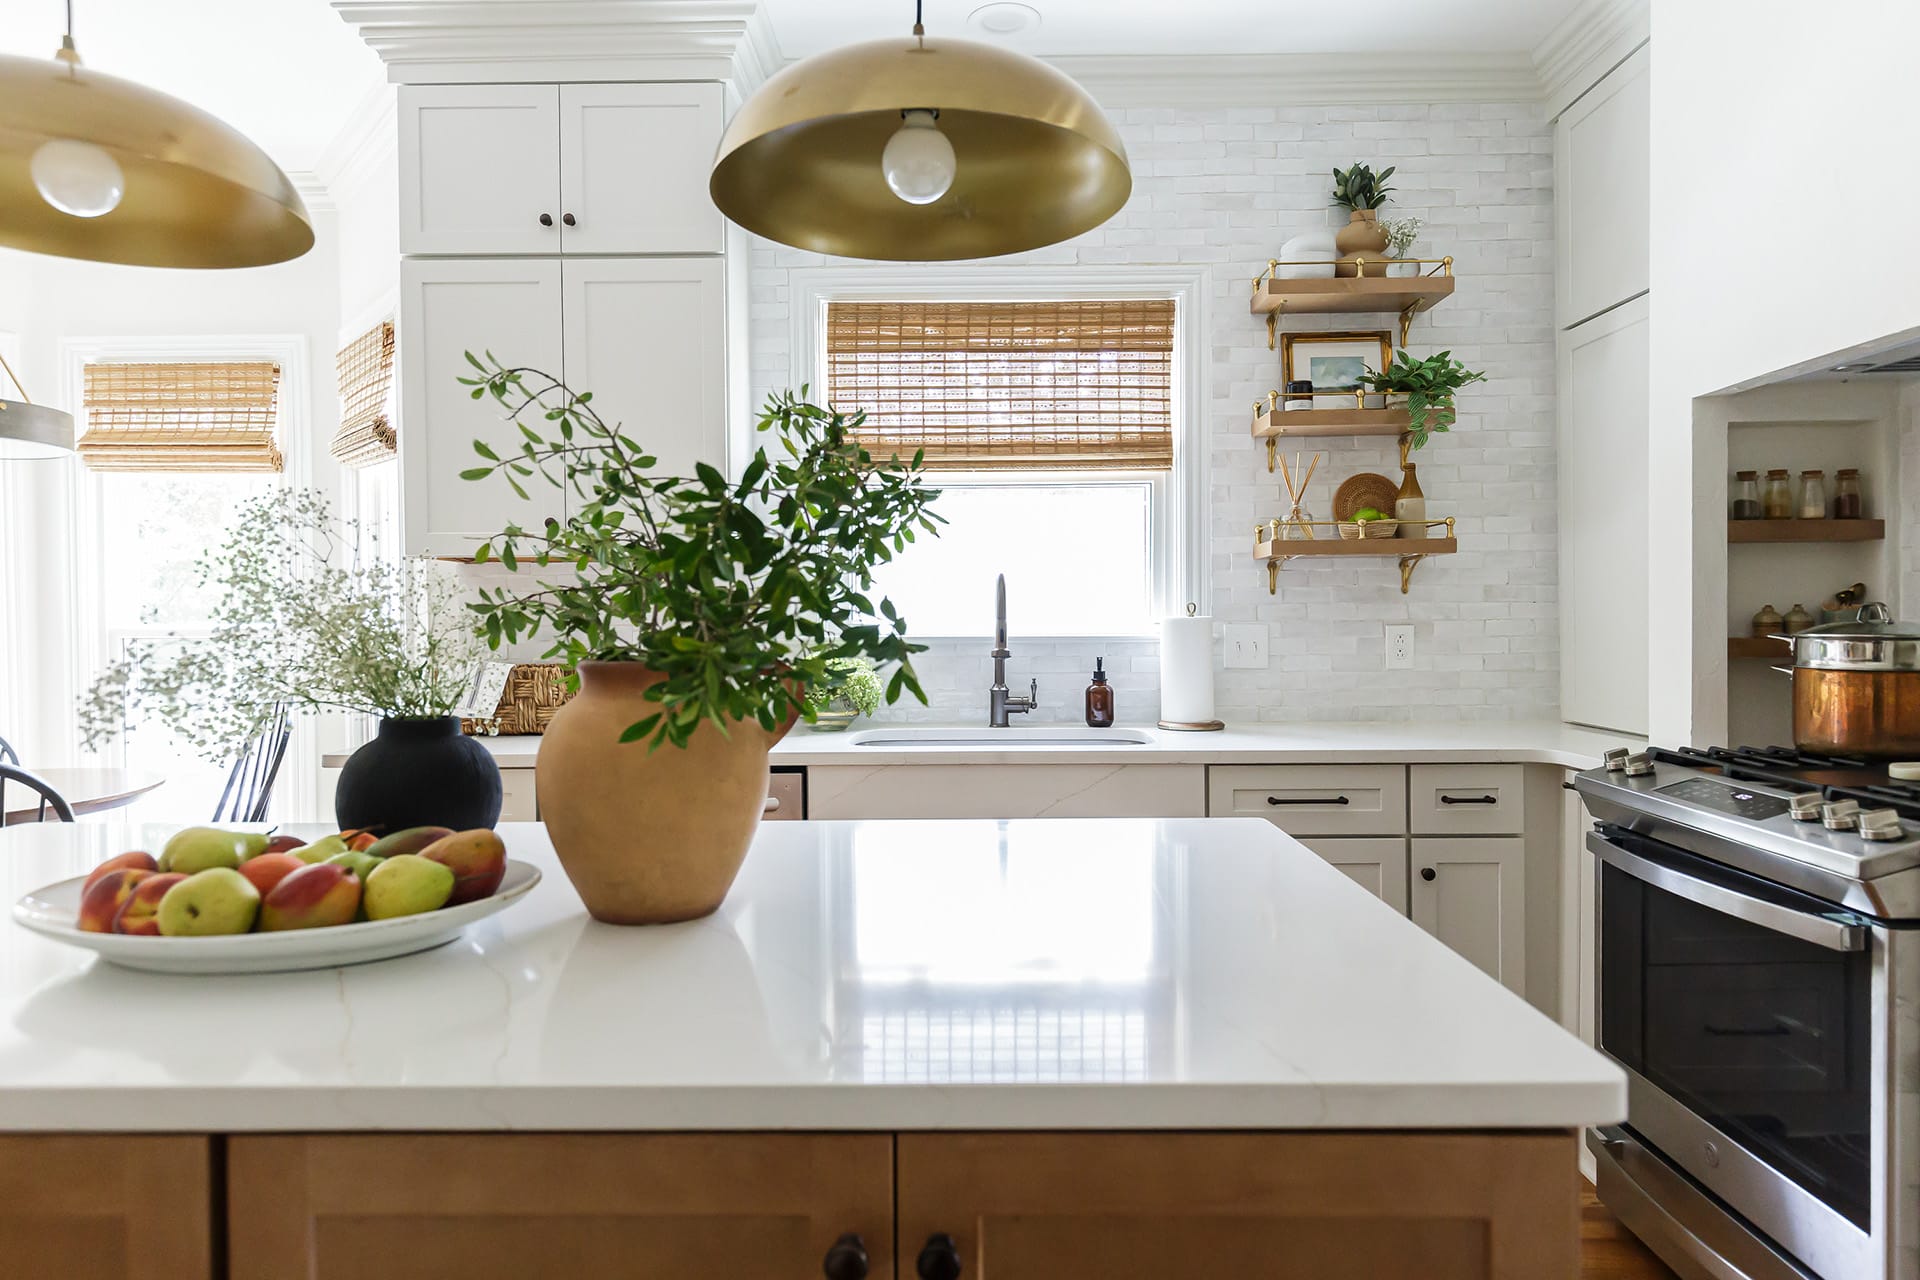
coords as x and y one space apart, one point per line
1589 42
365 138
1303 79
314 193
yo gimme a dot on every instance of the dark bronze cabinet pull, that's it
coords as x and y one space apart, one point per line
1469 799
847 1259
940 1259
567 218
1308 800
546 219
1427 873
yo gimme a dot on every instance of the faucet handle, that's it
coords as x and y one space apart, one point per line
1033 693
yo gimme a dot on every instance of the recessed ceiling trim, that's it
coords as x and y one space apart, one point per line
1597 36
1303 79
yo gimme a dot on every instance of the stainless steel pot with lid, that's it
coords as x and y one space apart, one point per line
1856 686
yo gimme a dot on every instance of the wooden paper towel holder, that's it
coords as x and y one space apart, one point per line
1193 726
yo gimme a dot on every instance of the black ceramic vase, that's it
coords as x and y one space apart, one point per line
418 773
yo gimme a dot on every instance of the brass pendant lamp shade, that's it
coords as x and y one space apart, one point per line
193 191
1034 160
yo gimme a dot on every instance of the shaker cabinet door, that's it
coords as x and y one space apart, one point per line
749 1206
633 167
1377 864
480 168
511 307
106 1207
1470 892
1602 157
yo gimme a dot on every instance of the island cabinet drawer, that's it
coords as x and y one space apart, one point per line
1150 1206
1466 799
746 1206
106 1207
517 803
1313 799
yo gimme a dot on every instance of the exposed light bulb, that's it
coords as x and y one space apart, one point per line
918 160
77 177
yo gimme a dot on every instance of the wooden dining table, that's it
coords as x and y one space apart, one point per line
87 790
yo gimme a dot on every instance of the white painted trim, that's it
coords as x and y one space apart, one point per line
1181 549
1302 79
1597 36
368 134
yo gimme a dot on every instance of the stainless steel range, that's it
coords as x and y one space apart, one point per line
1759 980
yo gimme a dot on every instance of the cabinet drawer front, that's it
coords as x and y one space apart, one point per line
517 802
786 796
1313 799
1466 799
1377 864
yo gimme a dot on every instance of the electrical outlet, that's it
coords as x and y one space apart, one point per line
1399 646
1244 644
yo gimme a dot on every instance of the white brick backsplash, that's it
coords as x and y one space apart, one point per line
1224 188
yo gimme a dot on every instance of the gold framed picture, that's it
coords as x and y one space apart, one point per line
1333 362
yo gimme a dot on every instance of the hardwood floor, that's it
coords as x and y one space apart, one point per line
1608 1251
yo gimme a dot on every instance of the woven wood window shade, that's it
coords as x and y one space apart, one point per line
181 417
1008 386
365 366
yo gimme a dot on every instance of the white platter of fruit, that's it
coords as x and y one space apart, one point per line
218 901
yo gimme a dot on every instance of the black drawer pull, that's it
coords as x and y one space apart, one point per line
567 218
1775 1030
1427 873
546 219
1308 800
1469 799
940 1259
847 1259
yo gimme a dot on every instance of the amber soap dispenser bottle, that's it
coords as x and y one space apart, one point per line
1100 698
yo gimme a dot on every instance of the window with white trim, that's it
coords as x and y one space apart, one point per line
1050 427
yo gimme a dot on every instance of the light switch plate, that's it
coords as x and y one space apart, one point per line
1244 644
1399 646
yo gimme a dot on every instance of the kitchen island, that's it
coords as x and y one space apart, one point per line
1078 1047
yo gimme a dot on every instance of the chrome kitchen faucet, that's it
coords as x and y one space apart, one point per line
999 701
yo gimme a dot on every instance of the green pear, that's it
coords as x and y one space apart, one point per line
198 848
322 849
359 861
406 885
207 903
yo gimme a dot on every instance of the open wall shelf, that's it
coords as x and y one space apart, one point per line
1762 647
1370 291
1270 424
1806 530
1409 552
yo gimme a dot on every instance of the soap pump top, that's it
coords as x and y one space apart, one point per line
1099 671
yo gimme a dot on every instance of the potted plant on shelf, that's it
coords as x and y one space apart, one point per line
1402 234
1427 387
852 689
1361 192
303 618
698 613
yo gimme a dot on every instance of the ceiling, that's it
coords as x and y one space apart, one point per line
1193 26
286 73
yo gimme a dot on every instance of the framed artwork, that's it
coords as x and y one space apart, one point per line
1333 362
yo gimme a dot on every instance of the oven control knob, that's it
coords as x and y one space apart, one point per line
1881 824
1616 759
1638 765
1712 1153
1841 815
1805 807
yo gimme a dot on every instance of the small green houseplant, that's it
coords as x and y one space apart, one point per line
852 689
1360 188
1429 385
1362 240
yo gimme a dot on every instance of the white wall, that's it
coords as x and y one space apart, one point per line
1222 189
1781 151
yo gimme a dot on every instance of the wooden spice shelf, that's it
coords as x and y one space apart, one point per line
1409 552
1332 296
1332 422
1764 647
1806 530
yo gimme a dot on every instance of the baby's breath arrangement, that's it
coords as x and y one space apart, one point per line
1401 234
850 682
302 619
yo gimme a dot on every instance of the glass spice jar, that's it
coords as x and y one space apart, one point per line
1813 495
1746 496
1846 494
1776 503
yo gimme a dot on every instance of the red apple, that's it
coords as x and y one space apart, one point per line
137 861
285 844
269 869
100 901
139 913
316 896
478 860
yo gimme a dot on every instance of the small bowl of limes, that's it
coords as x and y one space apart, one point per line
1368 522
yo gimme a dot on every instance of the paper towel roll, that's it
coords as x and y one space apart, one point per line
1186 671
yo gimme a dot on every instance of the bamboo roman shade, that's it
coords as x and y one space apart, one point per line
365 367
989 386
181 417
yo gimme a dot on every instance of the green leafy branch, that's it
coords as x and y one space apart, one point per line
1429 385
1358 187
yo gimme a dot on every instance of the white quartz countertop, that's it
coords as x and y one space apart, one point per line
1058 974
1334 742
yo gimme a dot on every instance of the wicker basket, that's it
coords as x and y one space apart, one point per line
1353 530
535 690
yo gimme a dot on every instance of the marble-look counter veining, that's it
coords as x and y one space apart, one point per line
1078 974
1333 742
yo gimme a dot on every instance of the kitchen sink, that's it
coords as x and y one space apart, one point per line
1032 735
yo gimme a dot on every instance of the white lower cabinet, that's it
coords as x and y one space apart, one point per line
1470 892
1377 864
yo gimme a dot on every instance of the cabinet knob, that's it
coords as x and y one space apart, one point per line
940 1259
1427 873
567 218
846 1260
546 219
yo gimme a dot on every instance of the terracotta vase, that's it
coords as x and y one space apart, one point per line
1362 237
647 837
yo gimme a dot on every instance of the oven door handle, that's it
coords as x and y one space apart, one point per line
1834 935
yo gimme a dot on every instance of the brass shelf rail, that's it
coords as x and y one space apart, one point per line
1268 545
1360 292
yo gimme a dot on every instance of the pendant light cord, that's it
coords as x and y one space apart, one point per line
15 379
919 28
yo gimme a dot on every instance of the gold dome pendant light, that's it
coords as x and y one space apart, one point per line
920 150
29 430
96 167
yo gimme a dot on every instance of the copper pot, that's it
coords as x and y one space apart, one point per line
1856 687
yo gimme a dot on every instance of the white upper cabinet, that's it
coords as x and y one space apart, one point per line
633 168
647 337
1601 163
479 168
542 169
510 306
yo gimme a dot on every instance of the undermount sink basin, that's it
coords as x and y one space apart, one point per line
1031 735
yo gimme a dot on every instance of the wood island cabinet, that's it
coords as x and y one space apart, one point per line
106 1207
